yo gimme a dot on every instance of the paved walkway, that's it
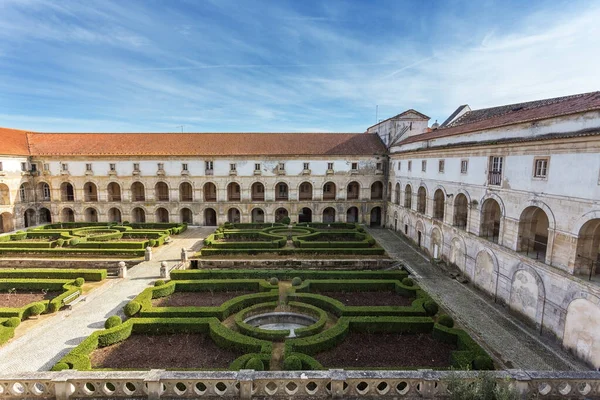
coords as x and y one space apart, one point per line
511 342
40 347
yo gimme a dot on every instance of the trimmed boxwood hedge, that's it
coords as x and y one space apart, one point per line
373 251
468 349
67 288
90 275
283 274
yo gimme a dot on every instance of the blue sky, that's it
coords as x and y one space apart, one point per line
275 65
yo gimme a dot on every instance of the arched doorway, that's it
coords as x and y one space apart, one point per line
305 215
90 192
305 191
352 215
44 216
161 191
233 192
210 217
210 193
29 217
67 193
114 215
533 233
258 191
281 192
186 193
4 194
353 191
138 215
329 190
114 191
161 215
67 215
90 215
6 222
258 216
138 192
461 211
329 215
186 216
280 214
490 220
376 217
233 215
377 191
587 259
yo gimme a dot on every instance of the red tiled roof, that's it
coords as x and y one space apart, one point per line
204 144
495 117
13 142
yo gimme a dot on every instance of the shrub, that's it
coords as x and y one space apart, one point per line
296 281
431 307
286 220
12 322
73 242
274 281
125 223
446 320
60 366
292 363
152 243
159 282
132 308
37 309
408 282
79 282
255 364
60 242
112 321
483 363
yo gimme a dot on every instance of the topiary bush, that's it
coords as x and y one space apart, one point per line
159 282
12 322
296 281
292 363
483 363
60 366
286 220
37 309
446 320
408 282
73 242
152 243
255 364
132 308
79 282
112 321
60 242
274 281
431 307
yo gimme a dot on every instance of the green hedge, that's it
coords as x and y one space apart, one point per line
284 274
113 245
264 334
61 252
468 349
373 251
66 287
28 245
90 275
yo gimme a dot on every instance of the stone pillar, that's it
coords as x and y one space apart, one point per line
184 256
148 255
122 270
521 382
62 388
164 270
154 384
428 384
338 377
245 379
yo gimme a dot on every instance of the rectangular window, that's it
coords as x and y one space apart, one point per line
378 166
464 166
355 166
399 164
46 167
441 166
23 166
541 168
257 167
184 167
65 167
33 167
232 167
208 165
136 166
330 166
88 167
410 165
161 166
282 166
495 170
424 165
112 166
306 166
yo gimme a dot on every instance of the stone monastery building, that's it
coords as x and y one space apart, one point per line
509 194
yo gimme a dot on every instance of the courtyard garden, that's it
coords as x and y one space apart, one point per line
28 293
305 239
279 320
88 239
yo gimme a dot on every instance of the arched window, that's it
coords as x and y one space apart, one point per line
422 200
439 204
490 220
329 191
306 191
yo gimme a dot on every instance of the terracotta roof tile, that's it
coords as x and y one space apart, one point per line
204 144
13 142
495 117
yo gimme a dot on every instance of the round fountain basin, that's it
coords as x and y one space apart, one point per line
280 321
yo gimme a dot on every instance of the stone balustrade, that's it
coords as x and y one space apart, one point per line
246 384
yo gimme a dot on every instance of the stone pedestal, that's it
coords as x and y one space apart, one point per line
122 270
164 270
148 255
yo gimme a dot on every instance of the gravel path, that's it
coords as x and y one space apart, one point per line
39 348
514 344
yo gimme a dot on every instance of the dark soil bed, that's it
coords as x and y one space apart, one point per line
176 351
369 298
23 297
197 299
362 350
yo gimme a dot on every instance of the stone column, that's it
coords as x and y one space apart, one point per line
122 270
164 270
